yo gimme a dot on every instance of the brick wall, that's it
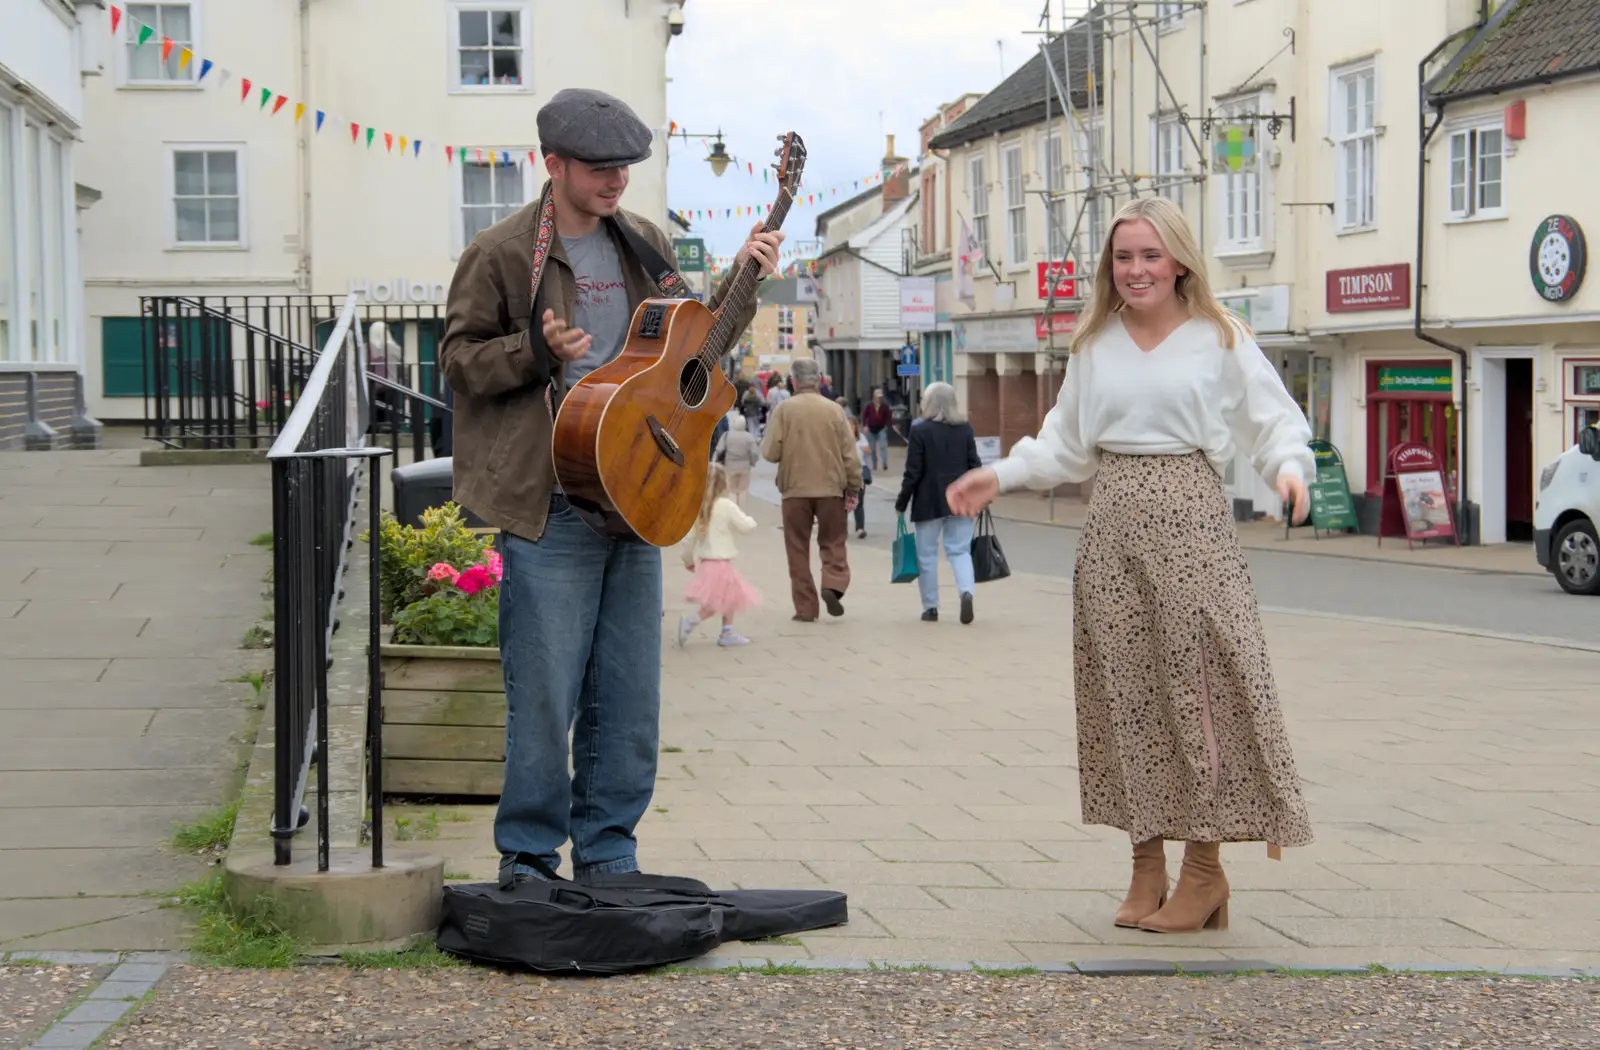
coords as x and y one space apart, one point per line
56 404
1019 407
983 404
13 408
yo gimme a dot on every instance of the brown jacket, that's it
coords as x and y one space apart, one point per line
810 441
499 366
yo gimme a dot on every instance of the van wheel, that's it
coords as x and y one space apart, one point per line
1575 559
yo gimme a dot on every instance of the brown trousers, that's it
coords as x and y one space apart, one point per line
831 522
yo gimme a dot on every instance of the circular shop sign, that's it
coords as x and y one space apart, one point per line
1557 259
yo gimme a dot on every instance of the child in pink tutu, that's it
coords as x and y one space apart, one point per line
717 588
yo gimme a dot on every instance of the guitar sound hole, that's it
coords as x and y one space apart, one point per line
694 382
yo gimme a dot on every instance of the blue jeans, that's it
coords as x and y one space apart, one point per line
955 534
878 448
580 644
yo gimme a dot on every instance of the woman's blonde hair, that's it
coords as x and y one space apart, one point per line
1192 288
939 404
716 487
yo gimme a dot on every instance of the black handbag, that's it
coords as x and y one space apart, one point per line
988 560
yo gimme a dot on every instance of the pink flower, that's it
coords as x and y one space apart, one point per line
474 579
493 562
443 571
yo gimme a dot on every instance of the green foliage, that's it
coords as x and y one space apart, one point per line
407 553
449 617
212 832
421 954
226 935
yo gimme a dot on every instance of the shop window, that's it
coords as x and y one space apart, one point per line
490 46
207 193
1476 189
1410 401
167 21
1355 136
978 189
1582 389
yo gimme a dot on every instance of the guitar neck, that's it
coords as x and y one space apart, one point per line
742 289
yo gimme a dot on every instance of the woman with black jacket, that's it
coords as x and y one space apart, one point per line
941 449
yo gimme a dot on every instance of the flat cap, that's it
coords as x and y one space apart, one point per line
599 129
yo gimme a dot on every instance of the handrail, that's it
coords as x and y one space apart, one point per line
294 428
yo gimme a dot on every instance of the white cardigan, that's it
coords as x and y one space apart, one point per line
727 521
1188 394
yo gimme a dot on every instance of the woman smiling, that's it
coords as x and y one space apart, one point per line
1179 731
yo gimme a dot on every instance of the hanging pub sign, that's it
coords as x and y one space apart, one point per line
1233 150
1331 507
1414 501
1558 258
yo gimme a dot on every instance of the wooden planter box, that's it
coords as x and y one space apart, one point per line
444 720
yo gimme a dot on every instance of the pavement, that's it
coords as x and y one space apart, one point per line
125 592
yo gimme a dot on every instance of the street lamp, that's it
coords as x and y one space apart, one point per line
719 158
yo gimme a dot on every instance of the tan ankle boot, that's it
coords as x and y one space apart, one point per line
1200 900
1148 890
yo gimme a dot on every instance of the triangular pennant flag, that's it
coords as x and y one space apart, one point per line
751 166
672 126
166 48
145 33
184 58
244 89
266 96
299 111
403 144
355 132
223 76
479 154
763 174
727 213
450 154
416 148
116 17
278 104
506 156
388 142
461 151
370 133
321 116
205 67
533 157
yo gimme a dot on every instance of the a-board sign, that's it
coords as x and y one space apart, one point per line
1332 510
1415 504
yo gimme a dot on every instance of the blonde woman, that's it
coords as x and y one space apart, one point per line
1179 731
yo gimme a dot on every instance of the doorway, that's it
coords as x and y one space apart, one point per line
1519 450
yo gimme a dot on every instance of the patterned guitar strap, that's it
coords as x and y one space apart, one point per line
668 279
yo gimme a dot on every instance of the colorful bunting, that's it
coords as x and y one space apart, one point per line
145 33
355 132
416 148
299 111
320 117
266 96
388 143
205 67
370 133
184 58
166 48
116 17
277 104
244 88
450 154
223 76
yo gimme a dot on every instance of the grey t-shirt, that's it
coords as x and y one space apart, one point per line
601 302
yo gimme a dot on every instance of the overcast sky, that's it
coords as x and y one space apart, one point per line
842 73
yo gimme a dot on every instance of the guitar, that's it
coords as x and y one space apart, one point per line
632 442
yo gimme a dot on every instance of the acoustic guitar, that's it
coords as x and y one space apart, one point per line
633 438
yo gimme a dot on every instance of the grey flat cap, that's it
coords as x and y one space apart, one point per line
594 127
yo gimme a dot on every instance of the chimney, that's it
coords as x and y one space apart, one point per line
896 177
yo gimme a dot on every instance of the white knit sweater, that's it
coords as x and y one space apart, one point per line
727 521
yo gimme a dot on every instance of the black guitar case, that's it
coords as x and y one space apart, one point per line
617 923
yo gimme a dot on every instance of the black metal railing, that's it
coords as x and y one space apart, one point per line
315 462
225 371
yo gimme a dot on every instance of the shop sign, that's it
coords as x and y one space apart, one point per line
691 254
1558 258
398 290
1416 380
806 290
1060 273
1414 502
1264 308
991 335
1331 507
988 450
1369 288
1061 323
917 310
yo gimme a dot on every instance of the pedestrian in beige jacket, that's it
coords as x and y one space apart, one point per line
819 477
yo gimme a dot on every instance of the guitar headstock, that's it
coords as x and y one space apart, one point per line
791 161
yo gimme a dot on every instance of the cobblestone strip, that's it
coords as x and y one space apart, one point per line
1126 967
135 975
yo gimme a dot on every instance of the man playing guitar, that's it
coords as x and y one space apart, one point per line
580 614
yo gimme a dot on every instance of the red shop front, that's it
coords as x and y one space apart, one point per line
1411 401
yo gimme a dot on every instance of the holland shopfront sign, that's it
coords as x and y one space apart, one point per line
398 290
1370 288
994 335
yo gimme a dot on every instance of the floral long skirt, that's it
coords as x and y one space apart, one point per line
1179 730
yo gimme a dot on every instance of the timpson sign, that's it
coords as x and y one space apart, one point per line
1370 288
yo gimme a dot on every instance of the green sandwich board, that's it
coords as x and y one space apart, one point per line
1332 510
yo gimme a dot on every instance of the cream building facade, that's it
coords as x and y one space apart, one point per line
213 194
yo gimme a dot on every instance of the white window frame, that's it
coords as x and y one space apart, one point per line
1168 162
1359 145
128 35
1053 147
13 281
453 10
1232 187
978 193
1096 209
1013 184
531 175
1464 156
1169 15
242 167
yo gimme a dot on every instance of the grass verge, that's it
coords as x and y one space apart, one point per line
211 833
420 954
225 935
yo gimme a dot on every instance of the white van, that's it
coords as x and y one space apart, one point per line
1566 514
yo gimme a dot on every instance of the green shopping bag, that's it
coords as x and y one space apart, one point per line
905 554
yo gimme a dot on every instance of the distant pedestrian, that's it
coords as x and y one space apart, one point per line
737 452
825 388
1180 735
718 590
876 418
866 477
819 476
942 448
751 407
